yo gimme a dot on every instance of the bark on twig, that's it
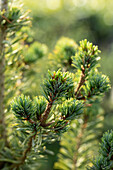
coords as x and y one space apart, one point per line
46 114
81 82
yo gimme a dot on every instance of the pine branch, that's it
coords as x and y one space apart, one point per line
25 153
105 158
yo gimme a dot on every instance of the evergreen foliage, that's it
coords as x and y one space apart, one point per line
105 158
61 56
43 119
96 85
58 85
22 107
40 104
34 52
80 142
12 19
91 85
59 88
87 57
12 71
70 109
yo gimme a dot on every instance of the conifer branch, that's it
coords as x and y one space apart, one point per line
105 158
25 153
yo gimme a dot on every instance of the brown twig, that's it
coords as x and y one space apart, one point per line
25 153
79 97
47 124
81 82
6 19
27 149
41 124
46 113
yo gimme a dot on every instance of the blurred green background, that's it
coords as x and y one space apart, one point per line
76 19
